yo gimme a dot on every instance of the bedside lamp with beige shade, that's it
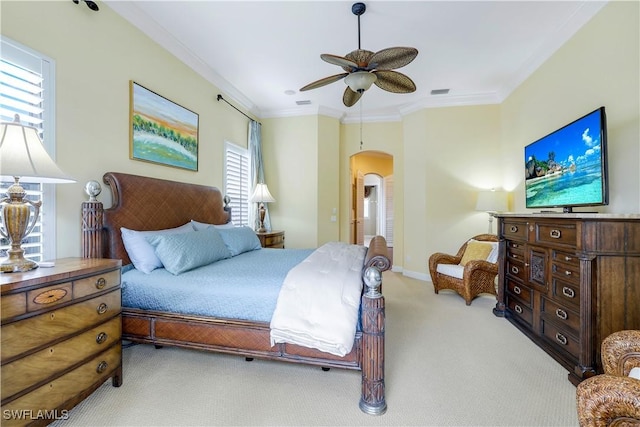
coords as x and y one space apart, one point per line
261 195
22 156
492 202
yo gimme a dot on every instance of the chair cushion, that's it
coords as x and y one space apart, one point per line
476 250
453 270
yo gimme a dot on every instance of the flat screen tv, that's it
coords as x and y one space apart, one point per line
568 167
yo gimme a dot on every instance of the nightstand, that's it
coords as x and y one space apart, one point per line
272 239
61 330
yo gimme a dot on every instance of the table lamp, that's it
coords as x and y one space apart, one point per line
492 202
22 155
261 195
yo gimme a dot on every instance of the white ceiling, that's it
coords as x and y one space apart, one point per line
255 51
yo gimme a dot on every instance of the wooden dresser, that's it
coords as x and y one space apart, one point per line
271 239
567 281
60 335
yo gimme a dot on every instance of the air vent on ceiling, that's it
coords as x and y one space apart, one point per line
439 91
304 102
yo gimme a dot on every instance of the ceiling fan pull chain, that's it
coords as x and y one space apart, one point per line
360 126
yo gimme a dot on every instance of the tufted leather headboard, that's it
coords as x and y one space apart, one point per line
143 203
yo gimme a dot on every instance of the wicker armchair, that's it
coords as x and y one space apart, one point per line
478 275
612 399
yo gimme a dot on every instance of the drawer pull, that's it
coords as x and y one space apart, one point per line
515 245
102 366
567 273
515 270
513 229
518 309
561 314
555 234
568 292
517 290
101 283
102 308
568 258
561 338
514 256
101 337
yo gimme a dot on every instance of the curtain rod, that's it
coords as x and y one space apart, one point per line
236 108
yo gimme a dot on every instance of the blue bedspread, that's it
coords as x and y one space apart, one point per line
242 287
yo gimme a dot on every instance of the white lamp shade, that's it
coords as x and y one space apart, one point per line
492 201
360 80
22 155
261 194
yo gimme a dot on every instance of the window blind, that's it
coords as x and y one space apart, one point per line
237 182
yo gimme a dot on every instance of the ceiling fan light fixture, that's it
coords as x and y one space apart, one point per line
360 81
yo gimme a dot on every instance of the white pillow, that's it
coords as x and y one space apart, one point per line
635 373
202 225
141 252
453 270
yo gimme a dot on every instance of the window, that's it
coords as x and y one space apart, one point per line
236 182
27 88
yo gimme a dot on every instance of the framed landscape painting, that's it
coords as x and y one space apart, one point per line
161 131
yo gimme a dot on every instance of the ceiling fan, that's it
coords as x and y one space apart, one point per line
364 68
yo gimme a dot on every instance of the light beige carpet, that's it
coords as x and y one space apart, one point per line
446 365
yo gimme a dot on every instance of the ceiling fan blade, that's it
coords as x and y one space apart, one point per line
339 61
350 97
392 58
323 82
393 81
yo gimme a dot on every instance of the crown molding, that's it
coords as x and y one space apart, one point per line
143 22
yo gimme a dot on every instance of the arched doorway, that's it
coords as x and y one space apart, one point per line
371 191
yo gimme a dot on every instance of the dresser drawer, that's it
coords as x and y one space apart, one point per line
515 251
55 393
515 269
94 284
560 338
37 367
565 292
29 334
566 272
523 293
513 230
560 314
556 234
564 257
519 311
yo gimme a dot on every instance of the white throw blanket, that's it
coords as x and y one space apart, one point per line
319 300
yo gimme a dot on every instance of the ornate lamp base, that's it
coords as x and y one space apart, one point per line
17 263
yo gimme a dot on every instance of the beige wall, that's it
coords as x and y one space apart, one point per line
450 155
96 55
291 161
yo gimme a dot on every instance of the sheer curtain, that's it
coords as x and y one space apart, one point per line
257 172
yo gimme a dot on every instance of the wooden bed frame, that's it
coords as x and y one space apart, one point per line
143 203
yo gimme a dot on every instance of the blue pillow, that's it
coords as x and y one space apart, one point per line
186 251
239 239
141 253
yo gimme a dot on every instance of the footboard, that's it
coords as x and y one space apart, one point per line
101 239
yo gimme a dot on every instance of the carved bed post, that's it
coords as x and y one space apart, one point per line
373 400
92 211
